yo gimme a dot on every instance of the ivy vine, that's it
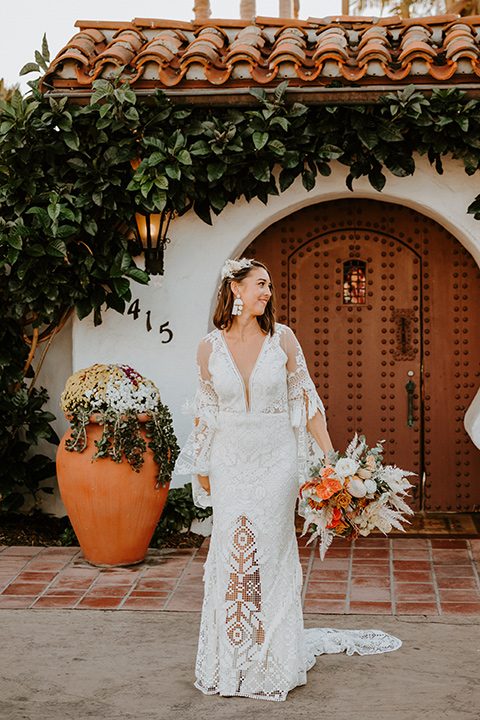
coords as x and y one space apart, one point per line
69 193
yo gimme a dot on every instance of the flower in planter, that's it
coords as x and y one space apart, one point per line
116 395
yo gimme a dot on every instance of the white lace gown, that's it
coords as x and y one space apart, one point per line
253 446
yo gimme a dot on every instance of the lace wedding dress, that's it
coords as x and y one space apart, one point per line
253 445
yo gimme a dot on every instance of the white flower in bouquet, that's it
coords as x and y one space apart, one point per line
370 486
346 466
364 473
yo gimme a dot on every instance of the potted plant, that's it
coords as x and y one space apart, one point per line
115 463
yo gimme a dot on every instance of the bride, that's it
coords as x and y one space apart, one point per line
256 410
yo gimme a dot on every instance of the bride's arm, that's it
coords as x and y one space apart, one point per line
318 428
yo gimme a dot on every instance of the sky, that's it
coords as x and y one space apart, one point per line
23 22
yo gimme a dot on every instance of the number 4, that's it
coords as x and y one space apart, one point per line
134 309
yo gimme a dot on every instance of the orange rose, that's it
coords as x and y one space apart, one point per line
326 472
343 499
336 519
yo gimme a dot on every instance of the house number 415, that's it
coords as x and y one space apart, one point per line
134 310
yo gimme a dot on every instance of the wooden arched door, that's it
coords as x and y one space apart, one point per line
381 299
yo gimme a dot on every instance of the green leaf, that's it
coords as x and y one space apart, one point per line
159 199
28 68
83 308
389 132
291 159
200 148
90 226
156 158
71 139
183 157
474 207
260 139
6 126
77 163
138 275
278 147
215 170
12 256
283 122
462 121
259 93
57 248
280 91
261 171
15 241
308 180
121 285
377 179
368 137
161 182
173 171
41 60
45 49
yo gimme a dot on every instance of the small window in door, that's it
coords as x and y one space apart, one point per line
354 282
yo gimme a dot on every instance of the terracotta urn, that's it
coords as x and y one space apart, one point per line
113 509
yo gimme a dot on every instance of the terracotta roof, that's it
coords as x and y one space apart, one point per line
231 55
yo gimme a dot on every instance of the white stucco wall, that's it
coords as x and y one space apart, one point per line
192 270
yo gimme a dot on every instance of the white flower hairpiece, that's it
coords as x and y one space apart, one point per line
232 267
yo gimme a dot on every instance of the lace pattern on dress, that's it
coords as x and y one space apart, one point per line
303 403
194 458
244 593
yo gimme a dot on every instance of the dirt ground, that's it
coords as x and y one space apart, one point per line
123 665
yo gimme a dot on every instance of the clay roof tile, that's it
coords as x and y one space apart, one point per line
199 52
315 47
243 51
373 51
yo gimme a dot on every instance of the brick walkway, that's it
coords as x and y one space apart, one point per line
404 575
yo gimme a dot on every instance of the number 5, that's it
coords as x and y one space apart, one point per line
165 329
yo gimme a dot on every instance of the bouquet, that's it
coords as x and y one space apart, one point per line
119 398
351 494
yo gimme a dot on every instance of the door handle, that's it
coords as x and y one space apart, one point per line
410 387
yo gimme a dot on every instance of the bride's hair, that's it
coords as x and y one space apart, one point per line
222 317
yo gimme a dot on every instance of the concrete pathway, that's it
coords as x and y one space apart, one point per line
375 575
104 665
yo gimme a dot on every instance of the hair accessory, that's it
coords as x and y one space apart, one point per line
232 267
237 306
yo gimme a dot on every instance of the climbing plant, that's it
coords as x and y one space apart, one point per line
69 192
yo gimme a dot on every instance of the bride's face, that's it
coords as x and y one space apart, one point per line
255 291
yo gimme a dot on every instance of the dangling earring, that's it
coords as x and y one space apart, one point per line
237 306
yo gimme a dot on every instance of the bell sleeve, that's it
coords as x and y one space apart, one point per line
303 404
194 458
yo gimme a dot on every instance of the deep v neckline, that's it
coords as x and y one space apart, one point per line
246 385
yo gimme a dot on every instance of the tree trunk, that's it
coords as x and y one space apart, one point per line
202 10
286 8
248 9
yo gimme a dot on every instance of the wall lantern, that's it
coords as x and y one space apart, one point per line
152 232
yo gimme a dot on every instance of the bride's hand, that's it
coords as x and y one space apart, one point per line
204 481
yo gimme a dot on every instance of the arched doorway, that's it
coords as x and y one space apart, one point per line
383 300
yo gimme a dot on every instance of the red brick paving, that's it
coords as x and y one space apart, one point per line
403 576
